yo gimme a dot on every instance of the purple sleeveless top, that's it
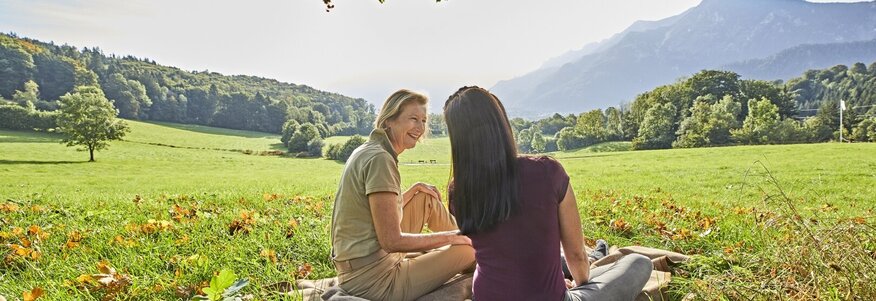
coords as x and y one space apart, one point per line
519 259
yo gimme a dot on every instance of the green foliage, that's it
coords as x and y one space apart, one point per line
314 147
865 131
538 143
289 128
722 120
129 96
224 287
524 139
656 130
592 125
762 117
16 64
775 92
569 139
88 119
55 74
15 117
550 145
305 133
715 82
614 130
519 124
555 123
342 152
764 126
708 125
436 126
27 97
142 89
693 131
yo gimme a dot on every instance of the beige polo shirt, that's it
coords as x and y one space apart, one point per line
373 167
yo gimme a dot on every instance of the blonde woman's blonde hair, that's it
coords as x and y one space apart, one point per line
392 107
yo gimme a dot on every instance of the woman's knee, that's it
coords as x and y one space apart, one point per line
640 265
465 253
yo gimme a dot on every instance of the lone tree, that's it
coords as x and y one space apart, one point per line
88 119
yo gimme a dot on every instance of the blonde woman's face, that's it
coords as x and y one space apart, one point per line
407 128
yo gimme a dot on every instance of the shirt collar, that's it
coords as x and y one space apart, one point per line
379 136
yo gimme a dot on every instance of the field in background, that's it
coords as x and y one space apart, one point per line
173 204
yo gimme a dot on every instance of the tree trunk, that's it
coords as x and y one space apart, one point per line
91 153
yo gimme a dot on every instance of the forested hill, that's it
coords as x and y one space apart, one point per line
143 89
788 63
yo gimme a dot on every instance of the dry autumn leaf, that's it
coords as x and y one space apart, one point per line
304 270
269 255
9 208
620 225
33 294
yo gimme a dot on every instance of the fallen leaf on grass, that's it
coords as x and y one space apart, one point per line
269 255
150 227
304 270
20 252
180 213
33 294
292 226
620 225
37 209
270 197
244 224
121 241
681 234
9 207
74 238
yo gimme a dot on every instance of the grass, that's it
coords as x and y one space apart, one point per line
164 215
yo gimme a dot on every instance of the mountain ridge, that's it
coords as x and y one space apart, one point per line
710 35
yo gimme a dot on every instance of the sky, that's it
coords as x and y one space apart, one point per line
361 48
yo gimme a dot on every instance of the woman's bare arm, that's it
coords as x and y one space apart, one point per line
385 213
572 239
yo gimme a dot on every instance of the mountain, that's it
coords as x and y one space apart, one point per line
711 35
790 62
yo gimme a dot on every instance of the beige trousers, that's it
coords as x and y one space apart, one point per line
395 277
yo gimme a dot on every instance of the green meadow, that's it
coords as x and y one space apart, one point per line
173 204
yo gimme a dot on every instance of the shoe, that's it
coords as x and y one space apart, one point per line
600 251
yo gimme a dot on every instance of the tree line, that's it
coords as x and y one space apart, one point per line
41 73
715 108
709 108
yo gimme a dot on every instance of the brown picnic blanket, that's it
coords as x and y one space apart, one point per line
459 287
655 288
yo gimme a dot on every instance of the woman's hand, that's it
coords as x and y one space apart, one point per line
421 187
569 284
461 240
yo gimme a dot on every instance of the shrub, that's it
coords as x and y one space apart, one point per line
314 147
15 117
305 133
289 129
342 152
865 131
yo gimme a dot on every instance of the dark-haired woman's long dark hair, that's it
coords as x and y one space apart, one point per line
484 187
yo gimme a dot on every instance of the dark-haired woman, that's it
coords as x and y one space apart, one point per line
518 210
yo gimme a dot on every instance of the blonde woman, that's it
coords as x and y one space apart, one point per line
374 224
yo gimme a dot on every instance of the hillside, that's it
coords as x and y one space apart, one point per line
710 35
141 88
791 62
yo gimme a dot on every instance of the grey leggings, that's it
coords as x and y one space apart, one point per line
619 281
